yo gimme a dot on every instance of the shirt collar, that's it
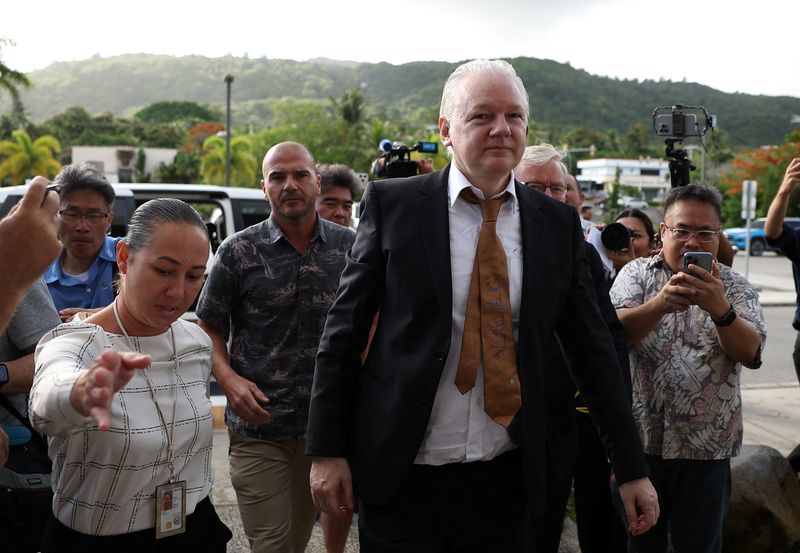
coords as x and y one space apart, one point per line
109 249
276 232
456 182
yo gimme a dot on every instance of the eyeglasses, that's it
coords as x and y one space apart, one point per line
93 217
555 189
682 234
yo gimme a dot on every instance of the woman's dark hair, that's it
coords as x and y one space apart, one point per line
642 216
150 214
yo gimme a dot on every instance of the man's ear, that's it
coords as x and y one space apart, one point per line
122 256
444 131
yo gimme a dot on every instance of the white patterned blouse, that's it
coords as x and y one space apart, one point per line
104 482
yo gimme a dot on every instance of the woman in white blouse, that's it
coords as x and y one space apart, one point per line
123 396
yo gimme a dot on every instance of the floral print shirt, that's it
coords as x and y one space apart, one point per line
272 302
686 398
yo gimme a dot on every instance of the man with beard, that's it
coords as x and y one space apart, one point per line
268 292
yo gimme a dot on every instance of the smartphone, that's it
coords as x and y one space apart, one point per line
700 259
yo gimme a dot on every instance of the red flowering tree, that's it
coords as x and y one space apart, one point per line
766 165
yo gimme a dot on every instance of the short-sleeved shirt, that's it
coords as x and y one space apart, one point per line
789 244
686 398
34 317
98 288
272 301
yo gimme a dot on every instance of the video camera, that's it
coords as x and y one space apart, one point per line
676 123
396 159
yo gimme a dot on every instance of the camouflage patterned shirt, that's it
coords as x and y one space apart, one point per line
686 398
272 302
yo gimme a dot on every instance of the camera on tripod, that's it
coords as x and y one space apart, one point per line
396 160
676 123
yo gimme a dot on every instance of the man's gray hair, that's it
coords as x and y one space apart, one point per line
454 84
542 154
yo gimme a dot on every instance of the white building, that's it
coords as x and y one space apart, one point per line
118 162
651 176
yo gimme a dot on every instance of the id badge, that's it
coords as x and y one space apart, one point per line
170 509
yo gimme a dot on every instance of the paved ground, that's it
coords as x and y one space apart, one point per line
771 417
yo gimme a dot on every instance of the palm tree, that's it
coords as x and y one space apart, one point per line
23 157
9 79
243 161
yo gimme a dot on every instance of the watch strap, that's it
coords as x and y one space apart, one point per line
727 319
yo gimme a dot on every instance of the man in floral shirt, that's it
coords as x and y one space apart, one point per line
267 295
688 337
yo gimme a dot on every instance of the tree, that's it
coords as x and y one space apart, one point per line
11 80
24 157
243 162
350 107
765 165
635 141
170 112
184 170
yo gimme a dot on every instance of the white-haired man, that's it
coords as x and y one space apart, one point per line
575 439
443 426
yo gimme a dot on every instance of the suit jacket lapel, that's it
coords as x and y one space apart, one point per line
432 210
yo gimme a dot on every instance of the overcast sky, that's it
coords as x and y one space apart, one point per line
730 45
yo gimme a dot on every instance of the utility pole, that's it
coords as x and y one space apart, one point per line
228 81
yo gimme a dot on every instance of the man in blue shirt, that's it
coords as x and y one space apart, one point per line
81 279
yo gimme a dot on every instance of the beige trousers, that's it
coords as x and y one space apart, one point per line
273 492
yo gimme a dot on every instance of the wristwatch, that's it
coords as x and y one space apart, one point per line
3 374
727 319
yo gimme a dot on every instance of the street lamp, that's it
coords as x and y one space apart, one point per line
228 81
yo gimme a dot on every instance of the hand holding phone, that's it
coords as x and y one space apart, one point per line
703 260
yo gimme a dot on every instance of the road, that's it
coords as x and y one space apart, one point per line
772 272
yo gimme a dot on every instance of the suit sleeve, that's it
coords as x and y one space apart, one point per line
345 335
596 369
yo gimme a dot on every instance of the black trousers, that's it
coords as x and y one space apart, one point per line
460 507
205 533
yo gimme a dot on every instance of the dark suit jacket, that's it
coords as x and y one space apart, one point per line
376 415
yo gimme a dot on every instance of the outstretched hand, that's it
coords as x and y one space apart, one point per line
94 389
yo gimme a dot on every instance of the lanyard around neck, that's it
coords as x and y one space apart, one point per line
167 431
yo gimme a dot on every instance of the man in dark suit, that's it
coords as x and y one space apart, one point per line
434 470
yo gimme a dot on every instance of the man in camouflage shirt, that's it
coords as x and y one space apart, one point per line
269 292
688 337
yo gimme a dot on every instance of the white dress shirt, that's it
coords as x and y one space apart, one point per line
459 430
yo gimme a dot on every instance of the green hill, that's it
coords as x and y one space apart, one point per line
562 97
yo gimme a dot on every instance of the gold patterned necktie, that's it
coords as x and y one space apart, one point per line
488 332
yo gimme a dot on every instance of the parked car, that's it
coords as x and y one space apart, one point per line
758 242
630 202
225 210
